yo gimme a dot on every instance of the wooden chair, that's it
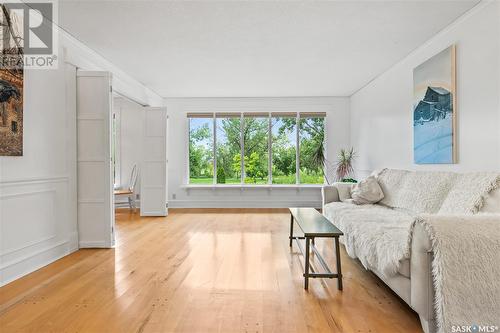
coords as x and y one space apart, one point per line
129 191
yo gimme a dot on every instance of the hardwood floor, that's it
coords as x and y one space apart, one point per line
200 271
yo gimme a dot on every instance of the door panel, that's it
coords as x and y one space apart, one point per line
94 166
154 164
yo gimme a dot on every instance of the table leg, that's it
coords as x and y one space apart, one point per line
339 269
306 273
291 229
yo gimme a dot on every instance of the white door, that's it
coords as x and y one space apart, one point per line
94 166
154 163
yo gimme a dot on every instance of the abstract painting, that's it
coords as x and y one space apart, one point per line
434 109
11 84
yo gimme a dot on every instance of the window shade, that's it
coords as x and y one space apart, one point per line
200 115
312 114
256 114
228 115
284 114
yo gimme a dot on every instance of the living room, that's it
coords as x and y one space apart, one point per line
237 166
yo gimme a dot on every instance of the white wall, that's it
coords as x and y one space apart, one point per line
337 125
38 215
130 135
38 190
381 121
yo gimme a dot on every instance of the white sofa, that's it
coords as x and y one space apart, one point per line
412 193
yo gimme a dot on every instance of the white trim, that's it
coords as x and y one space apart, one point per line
19 260
242 149
63 248
24 194
187 152
34 180
94 244
244 204
214 150
156 213
270 150
250 186
297 149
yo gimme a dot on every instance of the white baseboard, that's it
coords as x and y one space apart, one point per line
92 244
14 270
243 203
163 213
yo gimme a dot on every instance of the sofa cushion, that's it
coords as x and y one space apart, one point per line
390 181
424 192
367 191
332 208
469 192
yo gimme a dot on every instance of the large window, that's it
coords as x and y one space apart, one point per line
312 137
256 148
284 149
228 138
201 143
256 144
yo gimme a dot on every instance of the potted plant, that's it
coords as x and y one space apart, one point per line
339 171
344 166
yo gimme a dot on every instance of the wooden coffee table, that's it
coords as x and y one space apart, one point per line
314 225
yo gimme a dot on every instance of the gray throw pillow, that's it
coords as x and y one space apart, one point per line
367 191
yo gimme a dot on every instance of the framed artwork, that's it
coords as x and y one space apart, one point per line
11 84
434 109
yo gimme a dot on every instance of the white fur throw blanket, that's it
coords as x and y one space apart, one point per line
466 270
380 237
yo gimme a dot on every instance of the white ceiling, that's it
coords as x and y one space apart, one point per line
245 48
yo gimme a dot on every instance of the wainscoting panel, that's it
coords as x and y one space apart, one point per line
35 226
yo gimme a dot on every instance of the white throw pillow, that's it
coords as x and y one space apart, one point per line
367 191
391 181
344 190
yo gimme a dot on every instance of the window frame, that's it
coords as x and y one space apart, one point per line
269 115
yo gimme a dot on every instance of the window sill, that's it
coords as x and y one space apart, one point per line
249 186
